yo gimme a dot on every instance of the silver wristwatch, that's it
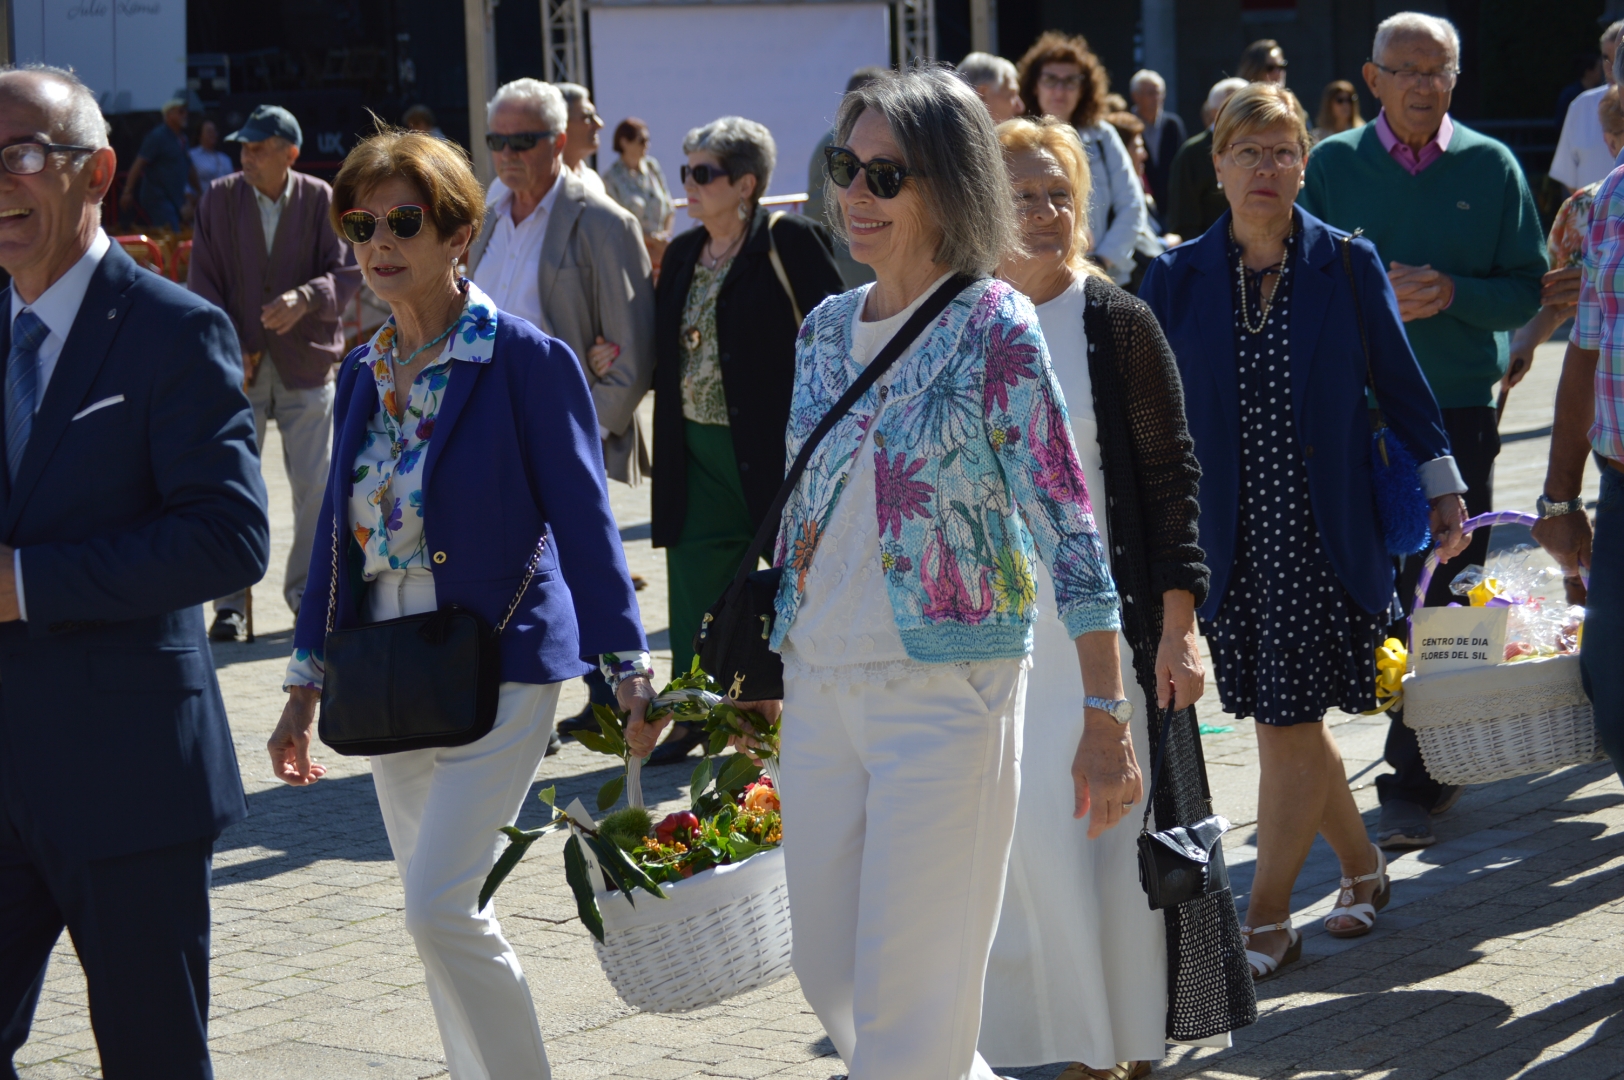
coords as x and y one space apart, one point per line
1118 709
1549 509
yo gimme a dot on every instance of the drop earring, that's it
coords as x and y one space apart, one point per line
744 210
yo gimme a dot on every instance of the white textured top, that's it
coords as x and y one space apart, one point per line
845 632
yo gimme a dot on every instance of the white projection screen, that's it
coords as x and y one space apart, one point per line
785 65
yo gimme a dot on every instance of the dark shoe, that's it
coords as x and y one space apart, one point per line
676 746
1447 798
581 721
1404 825
228 626
554 744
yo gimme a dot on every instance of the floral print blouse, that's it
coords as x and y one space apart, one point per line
386 499
1567 243
703 400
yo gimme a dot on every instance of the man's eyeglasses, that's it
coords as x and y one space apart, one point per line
1410 79
1250 155
519 143
405 221
884 177
1060 82
702 174
28 158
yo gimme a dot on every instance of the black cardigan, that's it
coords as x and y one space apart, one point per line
1151 482
756 331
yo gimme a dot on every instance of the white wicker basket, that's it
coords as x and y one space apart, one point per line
1501 720
716 935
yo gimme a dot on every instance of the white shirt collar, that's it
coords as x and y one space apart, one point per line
502 200
58 305
280 200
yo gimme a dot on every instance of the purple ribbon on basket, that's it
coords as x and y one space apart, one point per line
1469 526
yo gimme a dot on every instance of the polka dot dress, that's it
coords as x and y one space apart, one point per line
1288 642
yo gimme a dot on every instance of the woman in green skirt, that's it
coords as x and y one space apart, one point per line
725 325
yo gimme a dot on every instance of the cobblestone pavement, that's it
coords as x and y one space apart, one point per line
1501 956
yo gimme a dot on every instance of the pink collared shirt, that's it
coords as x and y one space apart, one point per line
1413 162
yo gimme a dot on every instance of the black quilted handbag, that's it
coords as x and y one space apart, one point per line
412 683
732 642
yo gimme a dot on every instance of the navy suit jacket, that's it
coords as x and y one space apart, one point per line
113 735
515 456
1191 291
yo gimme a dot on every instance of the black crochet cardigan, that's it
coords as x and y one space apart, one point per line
1151 479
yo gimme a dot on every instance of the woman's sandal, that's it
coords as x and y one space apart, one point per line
1363 914
1122 1070
1265 966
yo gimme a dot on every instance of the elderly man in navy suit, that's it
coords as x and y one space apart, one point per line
129 494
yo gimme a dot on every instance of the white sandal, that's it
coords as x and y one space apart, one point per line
1263 965
1364 914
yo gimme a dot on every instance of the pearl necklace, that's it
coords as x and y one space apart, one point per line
1265 302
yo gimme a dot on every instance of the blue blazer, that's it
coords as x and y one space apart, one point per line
113 735
1191 291
515 456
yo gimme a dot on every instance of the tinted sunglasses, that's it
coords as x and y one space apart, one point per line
524 140
884 177
28 158
405 221
703 174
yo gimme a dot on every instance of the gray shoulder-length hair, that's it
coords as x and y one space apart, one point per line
952 153
744 147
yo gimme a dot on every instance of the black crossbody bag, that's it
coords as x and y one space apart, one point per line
1185 862
416 682
732 639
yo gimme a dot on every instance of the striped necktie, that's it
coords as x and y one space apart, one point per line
22 385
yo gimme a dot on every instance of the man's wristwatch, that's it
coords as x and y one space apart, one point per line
1549 509
1118 709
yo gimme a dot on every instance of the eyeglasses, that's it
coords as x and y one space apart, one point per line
703 174
28 158
405 221
1343 99
1250 155
884 177
1060 82
519 143
1274 65
1409 79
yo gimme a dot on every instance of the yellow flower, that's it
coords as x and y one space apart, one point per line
1012 582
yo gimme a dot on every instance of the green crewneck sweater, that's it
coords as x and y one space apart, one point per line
1469 214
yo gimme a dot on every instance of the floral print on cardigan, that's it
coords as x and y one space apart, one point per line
974 469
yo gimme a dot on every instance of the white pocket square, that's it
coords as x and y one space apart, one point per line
102 404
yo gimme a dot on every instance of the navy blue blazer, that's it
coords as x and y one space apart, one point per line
113 735
515 456
1191 291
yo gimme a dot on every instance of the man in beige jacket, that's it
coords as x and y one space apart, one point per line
568 260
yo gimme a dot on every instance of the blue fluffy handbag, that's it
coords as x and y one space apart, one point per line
1401 504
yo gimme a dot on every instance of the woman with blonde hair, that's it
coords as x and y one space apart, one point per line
1079 967
1302 583
1338 111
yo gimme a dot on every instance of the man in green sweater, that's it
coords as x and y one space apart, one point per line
1451 212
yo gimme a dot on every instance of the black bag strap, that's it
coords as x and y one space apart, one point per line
932 307
1377 421
1156 770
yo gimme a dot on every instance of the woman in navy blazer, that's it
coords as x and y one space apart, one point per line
465 447
1265 326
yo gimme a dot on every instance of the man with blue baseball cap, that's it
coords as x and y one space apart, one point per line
264 250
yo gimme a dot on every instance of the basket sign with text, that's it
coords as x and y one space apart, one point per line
1452 638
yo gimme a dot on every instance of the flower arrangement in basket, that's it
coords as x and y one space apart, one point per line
713 920
1515 705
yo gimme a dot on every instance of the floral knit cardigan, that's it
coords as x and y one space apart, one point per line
973 429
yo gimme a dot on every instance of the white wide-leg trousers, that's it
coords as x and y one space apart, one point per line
442 809
899 808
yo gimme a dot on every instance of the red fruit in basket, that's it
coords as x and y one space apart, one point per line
682 824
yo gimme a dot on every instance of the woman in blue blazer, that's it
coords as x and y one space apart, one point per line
1266 329
465 450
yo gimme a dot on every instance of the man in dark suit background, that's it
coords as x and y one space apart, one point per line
130 494
1164 133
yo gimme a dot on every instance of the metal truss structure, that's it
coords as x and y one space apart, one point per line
916 20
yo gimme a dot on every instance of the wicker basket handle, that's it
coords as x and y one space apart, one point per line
1471 525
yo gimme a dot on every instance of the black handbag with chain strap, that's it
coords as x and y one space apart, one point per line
421 681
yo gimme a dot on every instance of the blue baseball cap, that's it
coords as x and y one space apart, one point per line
267 121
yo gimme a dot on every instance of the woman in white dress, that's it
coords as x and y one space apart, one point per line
1079 969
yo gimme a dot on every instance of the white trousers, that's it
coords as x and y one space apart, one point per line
442 809
899 807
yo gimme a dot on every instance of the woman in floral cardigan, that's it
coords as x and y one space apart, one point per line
906 613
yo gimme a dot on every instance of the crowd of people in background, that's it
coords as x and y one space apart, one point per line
1122 379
